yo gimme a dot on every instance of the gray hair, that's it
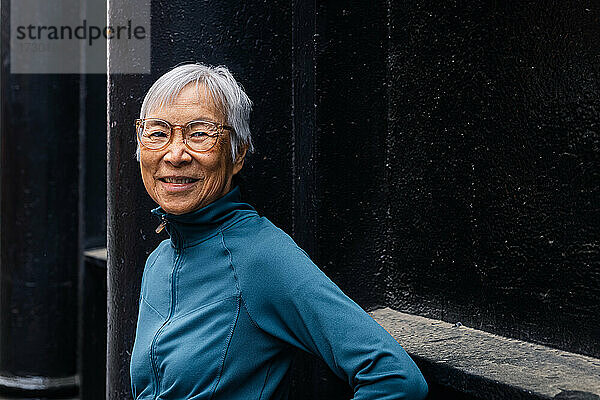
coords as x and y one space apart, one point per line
220 85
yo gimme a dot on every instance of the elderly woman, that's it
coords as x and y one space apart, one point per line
229 298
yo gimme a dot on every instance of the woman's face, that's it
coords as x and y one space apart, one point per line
179 179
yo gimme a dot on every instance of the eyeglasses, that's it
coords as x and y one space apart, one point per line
199 136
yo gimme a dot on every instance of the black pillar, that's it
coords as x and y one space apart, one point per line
39 235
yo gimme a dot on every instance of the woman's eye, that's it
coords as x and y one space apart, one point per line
156 134
199 134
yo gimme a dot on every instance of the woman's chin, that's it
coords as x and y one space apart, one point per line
177 206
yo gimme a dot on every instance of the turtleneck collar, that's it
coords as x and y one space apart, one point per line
188 229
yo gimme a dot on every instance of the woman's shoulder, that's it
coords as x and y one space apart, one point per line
262 253
261 234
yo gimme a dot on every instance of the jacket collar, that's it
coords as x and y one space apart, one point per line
188 229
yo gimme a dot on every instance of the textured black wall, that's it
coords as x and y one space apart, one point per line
351 132
494 112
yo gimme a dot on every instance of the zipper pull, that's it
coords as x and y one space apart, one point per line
162 225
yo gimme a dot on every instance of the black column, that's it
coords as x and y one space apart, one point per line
38 230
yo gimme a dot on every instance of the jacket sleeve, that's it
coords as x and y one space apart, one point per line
307 310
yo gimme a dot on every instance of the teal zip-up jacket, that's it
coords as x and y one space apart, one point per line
227 301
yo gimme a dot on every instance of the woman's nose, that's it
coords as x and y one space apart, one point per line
177 151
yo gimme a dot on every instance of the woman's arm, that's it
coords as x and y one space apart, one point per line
290 298
328 324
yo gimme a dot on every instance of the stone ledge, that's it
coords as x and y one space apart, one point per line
26 387
487 366
96 257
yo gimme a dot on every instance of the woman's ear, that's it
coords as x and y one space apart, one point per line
239 161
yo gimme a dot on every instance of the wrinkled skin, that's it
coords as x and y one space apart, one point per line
211 172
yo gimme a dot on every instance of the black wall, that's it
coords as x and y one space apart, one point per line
436 158
493 168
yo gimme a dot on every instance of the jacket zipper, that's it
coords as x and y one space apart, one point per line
162 225
178 251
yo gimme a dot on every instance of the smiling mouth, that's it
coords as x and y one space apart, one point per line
179 180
